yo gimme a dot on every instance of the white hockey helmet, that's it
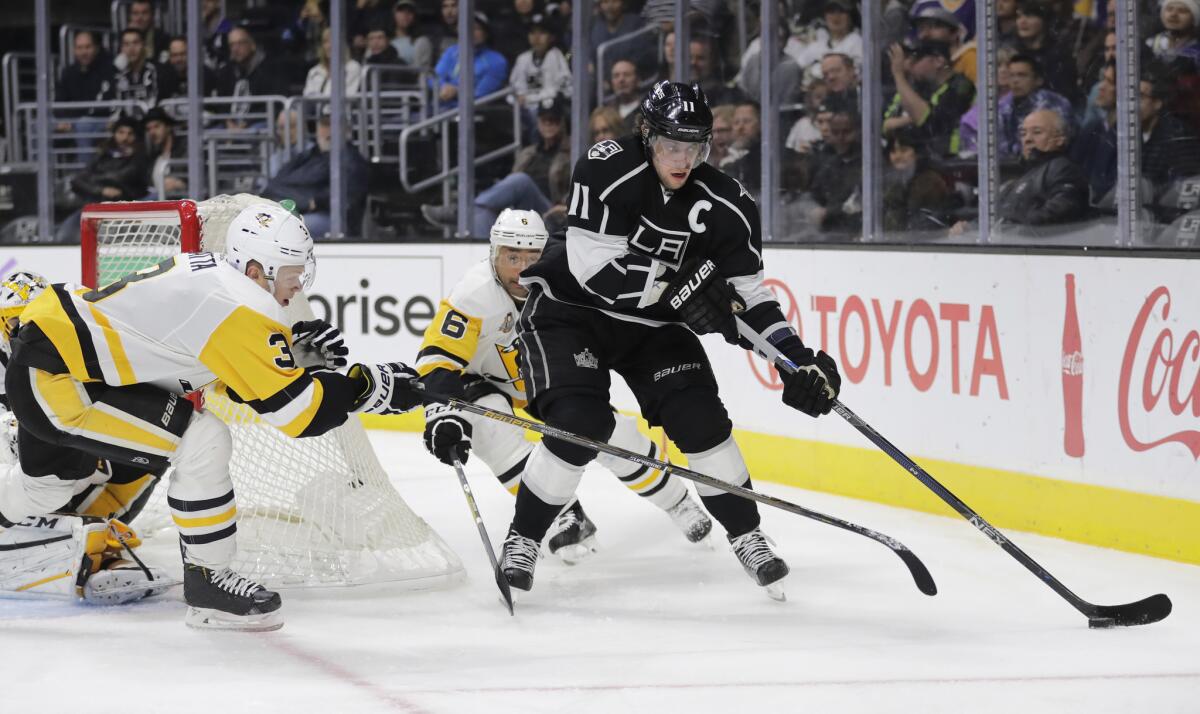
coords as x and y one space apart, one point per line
273 237
16 291
514 228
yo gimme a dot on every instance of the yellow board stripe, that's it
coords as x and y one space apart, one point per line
1159 526
43 581
113 340
205 520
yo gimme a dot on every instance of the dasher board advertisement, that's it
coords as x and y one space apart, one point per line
1075 368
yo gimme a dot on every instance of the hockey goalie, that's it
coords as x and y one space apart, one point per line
83 549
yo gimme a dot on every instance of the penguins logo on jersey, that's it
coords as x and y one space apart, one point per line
604 150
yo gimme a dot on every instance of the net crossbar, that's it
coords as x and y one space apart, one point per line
311 512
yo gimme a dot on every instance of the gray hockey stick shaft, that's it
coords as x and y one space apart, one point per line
1142 612
501 581
920 573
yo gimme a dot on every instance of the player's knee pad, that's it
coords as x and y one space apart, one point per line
583 414
695 419
549 477
201 460
501 446
22 495
723 462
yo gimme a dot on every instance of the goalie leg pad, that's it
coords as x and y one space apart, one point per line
73 556
200 493
661 489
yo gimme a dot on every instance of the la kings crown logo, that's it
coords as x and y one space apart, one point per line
604 150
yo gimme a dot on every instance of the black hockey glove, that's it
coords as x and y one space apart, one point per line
813 387
385 388
447 434
704 300
319 344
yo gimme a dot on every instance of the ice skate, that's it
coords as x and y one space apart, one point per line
119 581
518 559
690 519
572 535
224 600
754 551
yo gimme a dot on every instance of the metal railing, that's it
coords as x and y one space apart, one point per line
445 119
18 77
392 98
602 53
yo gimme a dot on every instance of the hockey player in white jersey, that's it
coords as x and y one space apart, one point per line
470 351
100 374
84 549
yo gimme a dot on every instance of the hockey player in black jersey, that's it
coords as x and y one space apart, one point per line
660 246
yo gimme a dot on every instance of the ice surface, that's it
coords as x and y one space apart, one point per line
649 624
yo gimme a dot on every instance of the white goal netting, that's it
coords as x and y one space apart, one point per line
314 511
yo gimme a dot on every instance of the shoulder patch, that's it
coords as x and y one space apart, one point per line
741 189
604 150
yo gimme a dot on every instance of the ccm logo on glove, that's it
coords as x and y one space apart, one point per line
693 283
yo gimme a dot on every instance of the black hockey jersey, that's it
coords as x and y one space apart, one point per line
627 236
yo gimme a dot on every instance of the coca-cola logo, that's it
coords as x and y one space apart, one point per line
1072 364
1168 368
766 374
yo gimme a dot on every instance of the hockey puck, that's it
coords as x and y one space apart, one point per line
1101 623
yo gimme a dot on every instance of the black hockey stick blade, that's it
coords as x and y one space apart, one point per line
1142 612
920 573
501 581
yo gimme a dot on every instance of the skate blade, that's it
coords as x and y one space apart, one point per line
202 618
775 591
577 552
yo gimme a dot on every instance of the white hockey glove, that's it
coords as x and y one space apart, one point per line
447 434
317 343
386 388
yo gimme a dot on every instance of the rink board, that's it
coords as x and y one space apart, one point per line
957 358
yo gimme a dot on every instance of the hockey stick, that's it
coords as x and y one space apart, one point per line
1142 612
919 573
501 581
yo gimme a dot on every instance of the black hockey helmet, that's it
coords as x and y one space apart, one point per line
677 111
676 121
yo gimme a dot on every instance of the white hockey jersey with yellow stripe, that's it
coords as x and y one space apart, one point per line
475 332
181 325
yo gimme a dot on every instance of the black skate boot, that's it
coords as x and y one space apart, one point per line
518 559
224 600
572 535
754 552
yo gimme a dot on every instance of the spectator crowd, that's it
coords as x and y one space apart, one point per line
1056 117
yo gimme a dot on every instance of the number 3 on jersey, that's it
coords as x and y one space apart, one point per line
285 360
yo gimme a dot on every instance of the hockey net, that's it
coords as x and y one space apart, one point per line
311 512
